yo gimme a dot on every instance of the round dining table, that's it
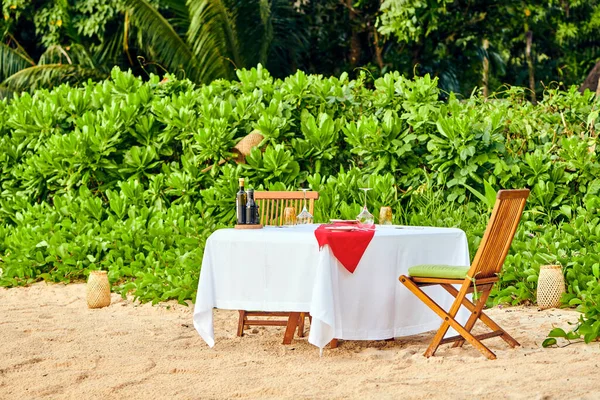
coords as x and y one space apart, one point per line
282 269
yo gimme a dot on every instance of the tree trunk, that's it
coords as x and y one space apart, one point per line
378 49
355 39
486 69
416 55
529 37
592 82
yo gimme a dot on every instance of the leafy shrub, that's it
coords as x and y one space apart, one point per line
110 175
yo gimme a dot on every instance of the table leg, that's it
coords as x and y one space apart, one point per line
301 325
290 328
241 321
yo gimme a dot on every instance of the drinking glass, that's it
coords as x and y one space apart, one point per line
289 216
365 217
304 217
385 216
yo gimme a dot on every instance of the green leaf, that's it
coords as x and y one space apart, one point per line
574 302
557 332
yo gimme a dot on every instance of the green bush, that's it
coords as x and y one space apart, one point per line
110 175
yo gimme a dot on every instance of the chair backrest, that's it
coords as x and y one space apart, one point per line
272 204
499 233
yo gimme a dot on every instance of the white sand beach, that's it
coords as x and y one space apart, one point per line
54 347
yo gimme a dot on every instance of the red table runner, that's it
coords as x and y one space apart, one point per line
347 246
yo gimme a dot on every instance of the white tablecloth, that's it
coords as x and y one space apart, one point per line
282 269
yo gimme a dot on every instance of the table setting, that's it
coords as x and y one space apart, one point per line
344 273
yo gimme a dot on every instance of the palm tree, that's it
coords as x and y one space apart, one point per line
202 40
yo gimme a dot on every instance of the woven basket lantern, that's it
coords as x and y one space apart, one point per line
98 290
551 286
245 146
242 149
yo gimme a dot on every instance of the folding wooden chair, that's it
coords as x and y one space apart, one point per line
271 206
480 277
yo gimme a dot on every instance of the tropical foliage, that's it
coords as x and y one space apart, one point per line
110 175
466 44
481 43
72 41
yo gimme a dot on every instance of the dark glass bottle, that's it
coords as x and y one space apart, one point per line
240 204
251 208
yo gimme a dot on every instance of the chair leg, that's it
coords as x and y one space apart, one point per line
241 321
290 328
475 313
483 317
448 318
437 339
301 325
333 344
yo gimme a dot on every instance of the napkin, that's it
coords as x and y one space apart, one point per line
347 246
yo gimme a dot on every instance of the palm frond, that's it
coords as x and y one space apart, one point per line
159 38
289 40
178 14
253 22
12 61
5 93
112 51
212 38
74 55
48 76
498 63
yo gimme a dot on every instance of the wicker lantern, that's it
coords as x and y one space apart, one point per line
551 286
98 290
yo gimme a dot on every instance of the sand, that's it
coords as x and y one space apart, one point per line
52 346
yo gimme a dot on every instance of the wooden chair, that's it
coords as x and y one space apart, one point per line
271 206
480 277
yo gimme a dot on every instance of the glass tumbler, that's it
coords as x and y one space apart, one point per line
385 216
289 216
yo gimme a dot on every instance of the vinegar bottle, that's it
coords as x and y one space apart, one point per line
240 204
251 208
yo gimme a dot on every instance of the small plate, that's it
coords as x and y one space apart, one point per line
345 221
341 228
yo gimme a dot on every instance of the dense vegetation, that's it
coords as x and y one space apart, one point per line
109 175
466 43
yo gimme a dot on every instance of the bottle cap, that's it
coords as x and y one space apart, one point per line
241 181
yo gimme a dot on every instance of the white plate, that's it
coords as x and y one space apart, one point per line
341 228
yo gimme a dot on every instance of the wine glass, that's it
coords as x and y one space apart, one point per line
304 217
365 217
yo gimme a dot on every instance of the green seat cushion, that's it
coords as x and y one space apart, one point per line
438 271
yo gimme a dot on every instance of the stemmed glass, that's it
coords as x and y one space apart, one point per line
304 217
365 217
